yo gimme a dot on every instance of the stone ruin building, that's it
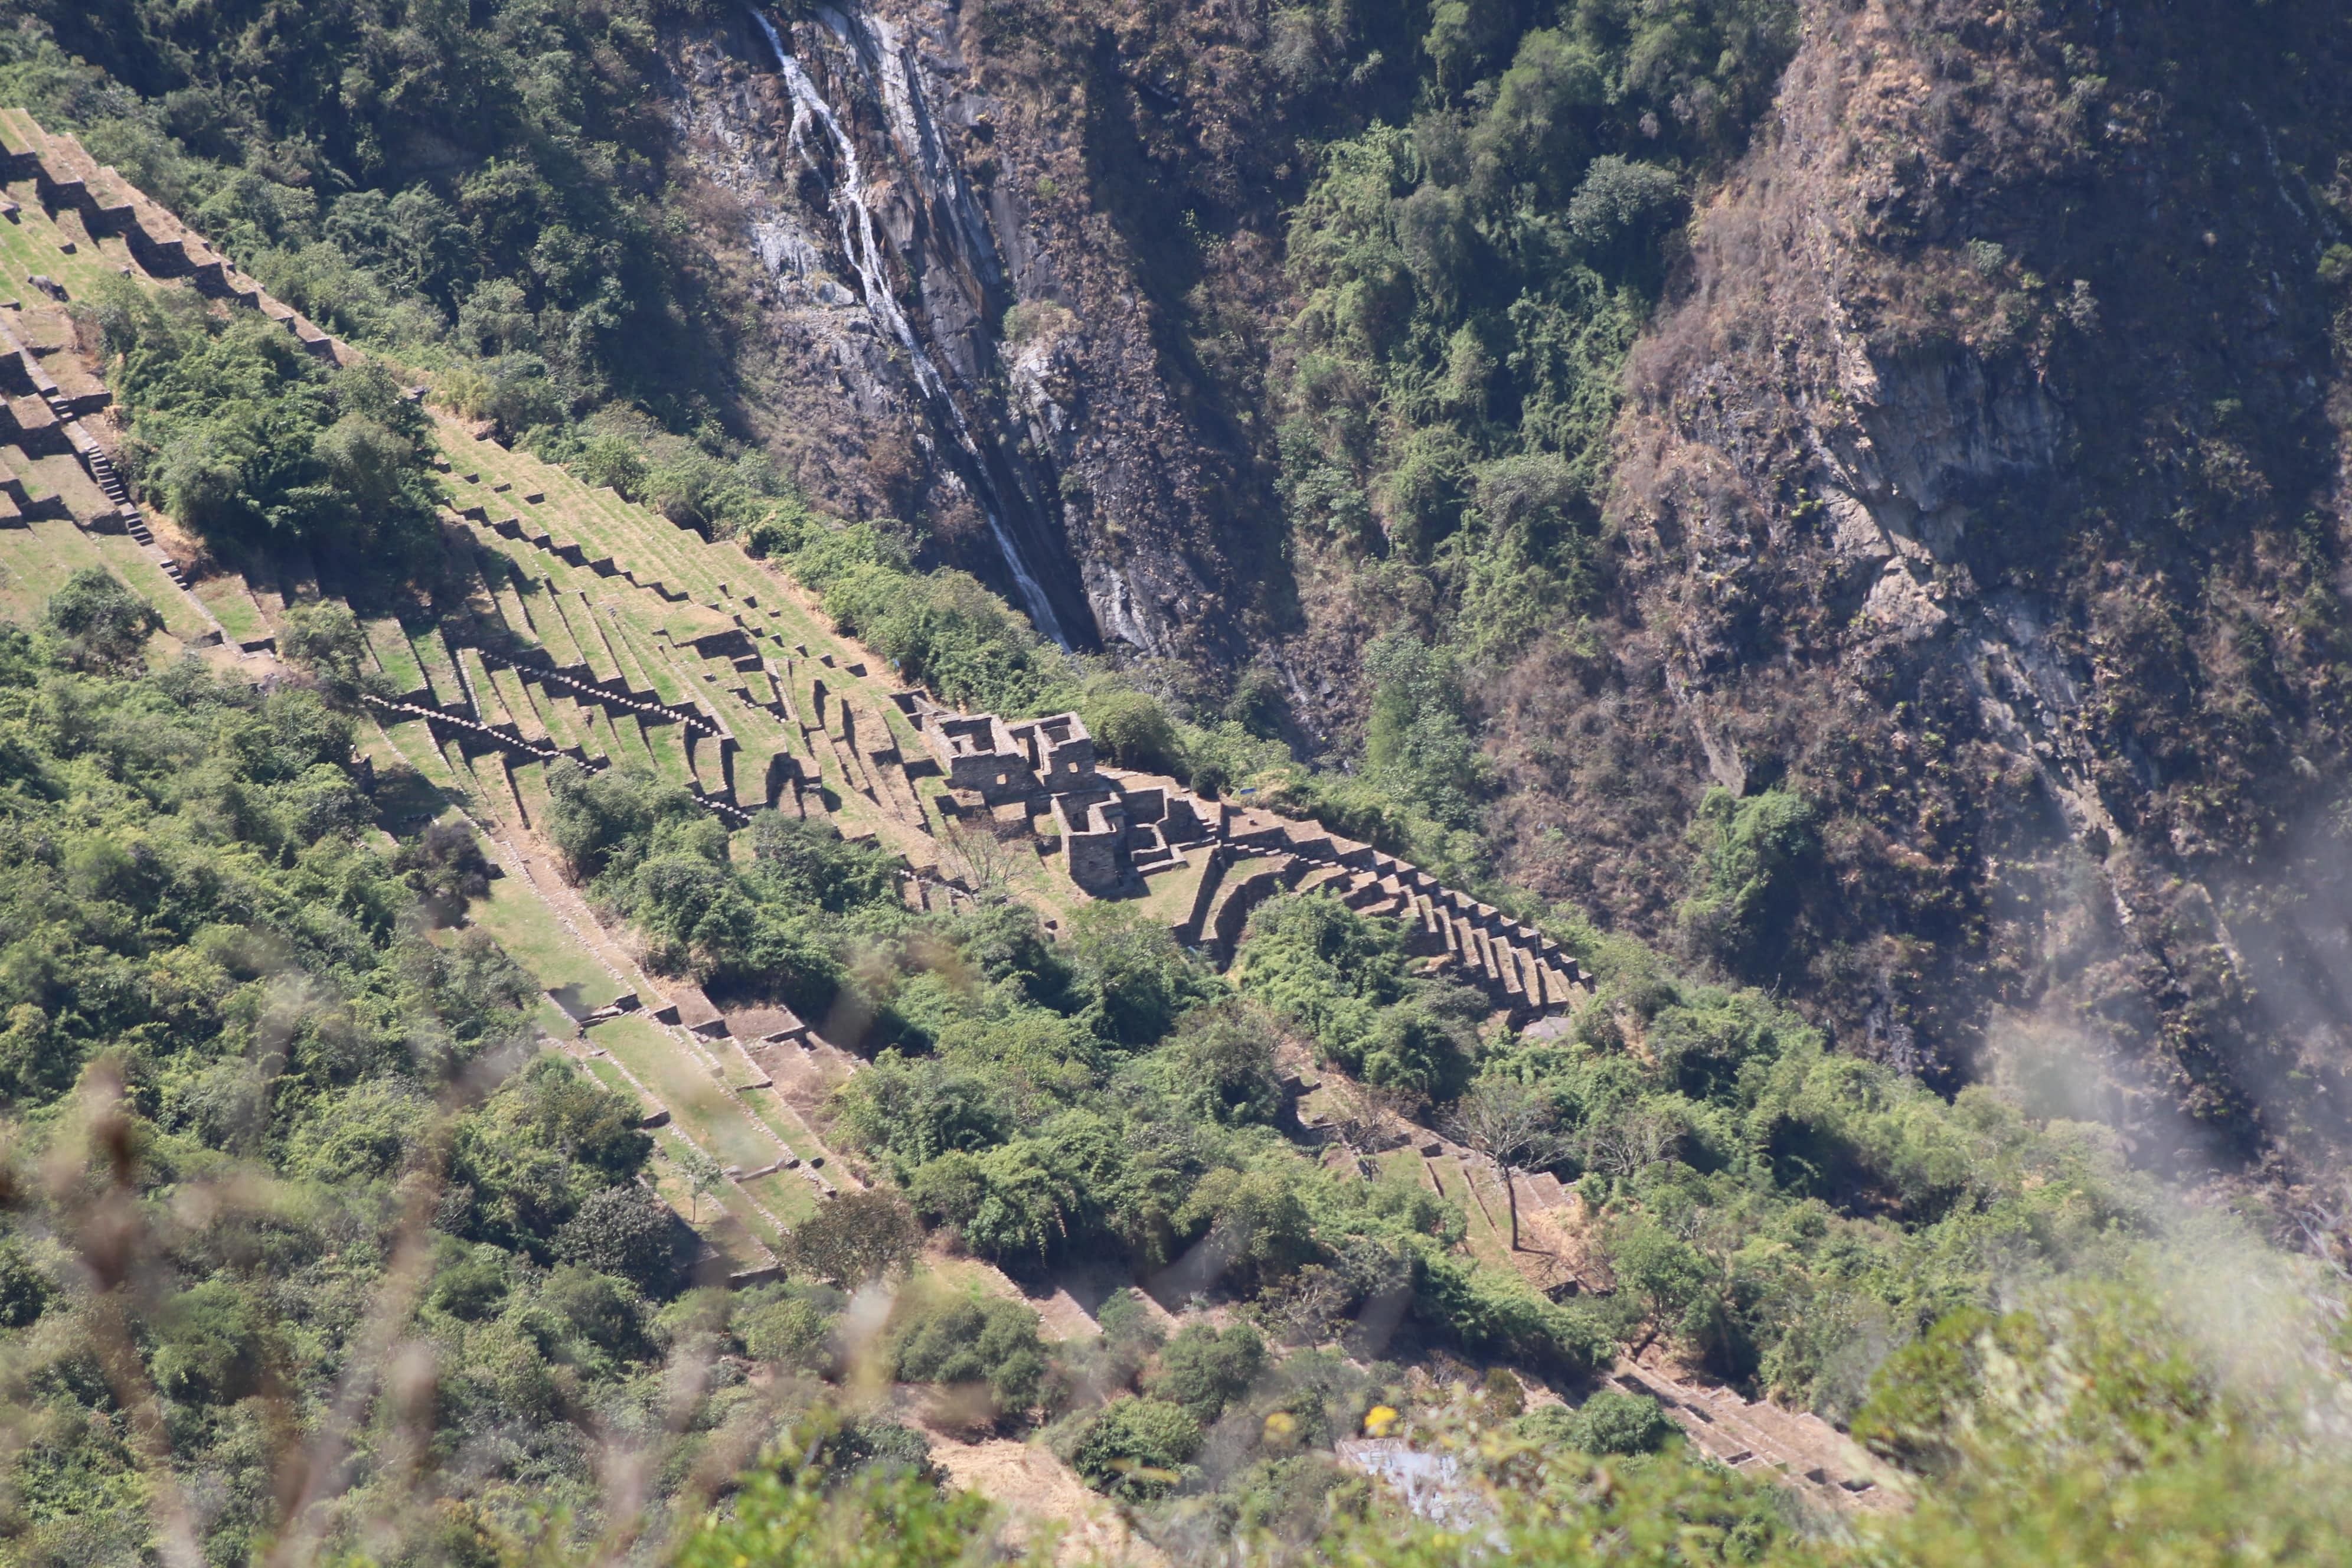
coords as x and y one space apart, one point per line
1112 826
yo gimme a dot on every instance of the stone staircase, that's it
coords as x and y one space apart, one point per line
121 514
508 738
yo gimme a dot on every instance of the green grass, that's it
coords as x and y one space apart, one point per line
609 617
722 1217
529 931
34 572
580 622
784 1120
602 523
531 787
546 622
120 555
1173 888
659 677
668 745
607 1072
414 737
494 789
499 574
787 1194
596 730
464 787
492 704
629 747
393 653
1486 1239
432 657
31 245
233 607
518 703
695 1101
554 713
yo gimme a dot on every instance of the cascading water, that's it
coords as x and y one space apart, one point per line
863 250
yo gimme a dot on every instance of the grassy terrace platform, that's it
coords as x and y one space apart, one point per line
751 1128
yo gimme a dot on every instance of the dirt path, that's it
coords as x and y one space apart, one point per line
1038 1494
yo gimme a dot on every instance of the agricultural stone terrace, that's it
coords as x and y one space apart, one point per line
99 223
591 632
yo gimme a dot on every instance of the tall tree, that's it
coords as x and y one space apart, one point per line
1511 1125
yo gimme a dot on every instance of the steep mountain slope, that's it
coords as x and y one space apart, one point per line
1983 483
1970 519
1910 588
1975 494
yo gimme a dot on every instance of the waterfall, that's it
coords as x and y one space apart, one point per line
859 244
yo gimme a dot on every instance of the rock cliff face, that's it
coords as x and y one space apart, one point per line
1984 482
955 335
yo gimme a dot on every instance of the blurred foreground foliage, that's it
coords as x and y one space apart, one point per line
2110 1425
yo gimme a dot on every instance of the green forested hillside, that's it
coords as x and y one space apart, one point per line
1470 283
270 1113
329 1231
400 173
257 1103
475 193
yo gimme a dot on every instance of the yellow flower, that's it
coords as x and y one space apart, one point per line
1378 1419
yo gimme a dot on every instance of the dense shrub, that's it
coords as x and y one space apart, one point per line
249 441
1203 1369
1138 1448
1751 861
625 1231
659 861
1609 1422
98 623
1221 1065
957 1339
384 199
1131 728
1418 745
1341 977
1469 288
858 1237
790 1326
303 1107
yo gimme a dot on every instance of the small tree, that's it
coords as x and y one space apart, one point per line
1204 1370
857 1237
1629 1143
702 1175
1614 1423
447 869
1513 1126
325 639
624 1230
1136 1449
99 623
983 856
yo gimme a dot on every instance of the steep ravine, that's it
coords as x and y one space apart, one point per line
948 342
996 480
